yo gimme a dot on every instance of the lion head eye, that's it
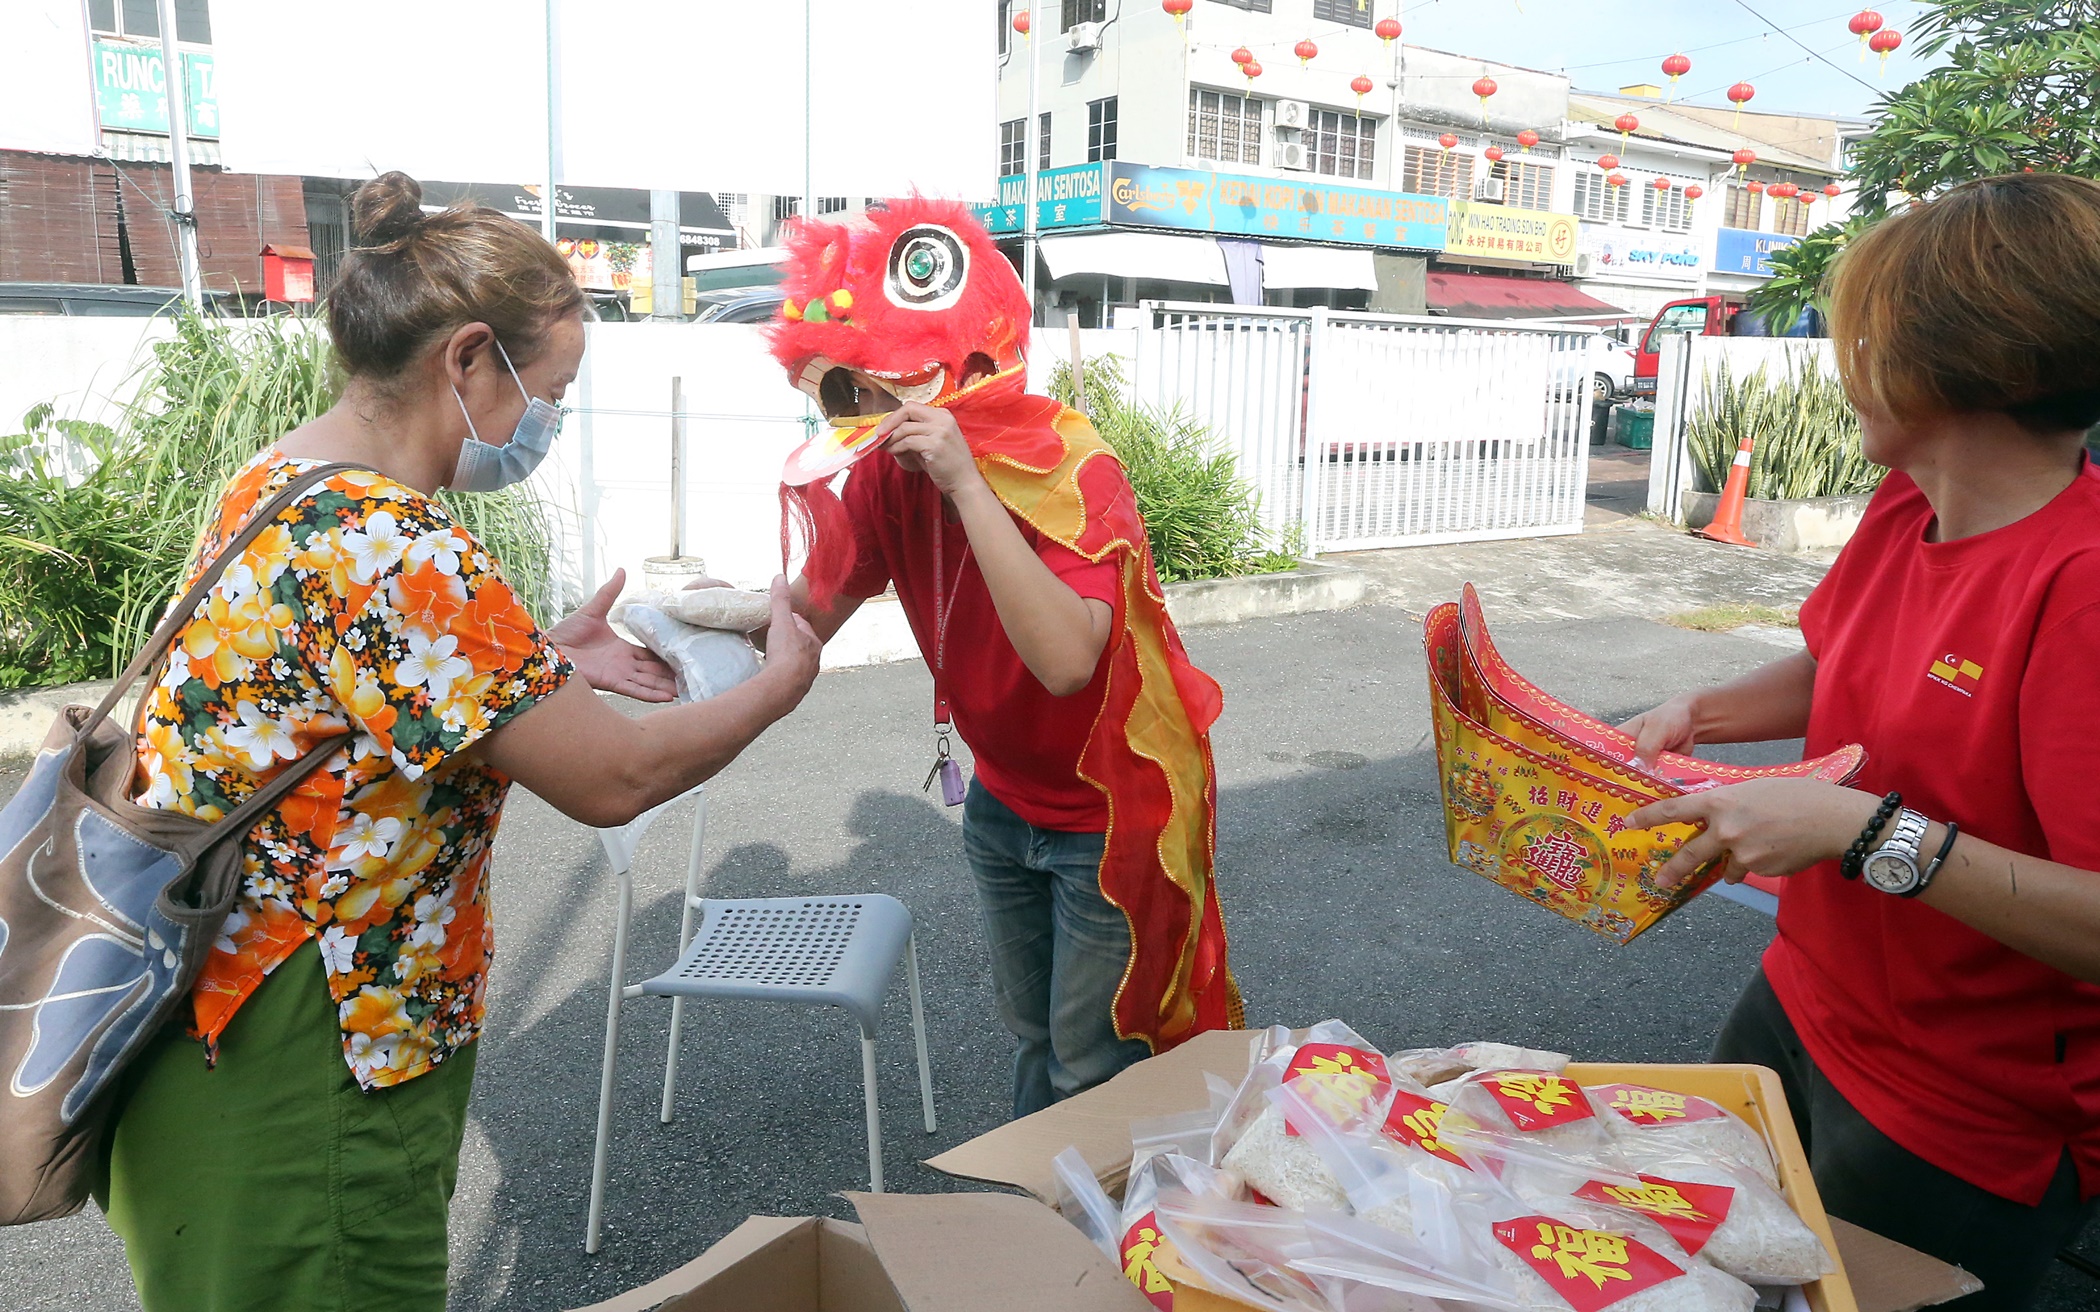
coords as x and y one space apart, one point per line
928 266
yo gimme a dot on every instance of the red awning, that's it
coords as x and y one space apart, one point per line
1489 296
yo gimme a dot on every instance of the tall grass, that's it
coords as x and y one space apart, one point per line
1807 434
98 525
1202 518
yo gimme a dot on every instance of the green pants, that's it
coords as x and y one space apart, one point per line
272 1180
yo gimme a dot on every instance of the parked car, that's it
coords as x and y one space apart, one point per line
739 305
1602 369
98 300
1707 316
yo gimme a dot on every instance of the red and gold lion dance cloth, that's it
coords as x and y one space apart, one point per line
914 294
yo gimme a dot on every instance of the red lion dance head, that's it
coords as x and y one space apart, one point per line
909 301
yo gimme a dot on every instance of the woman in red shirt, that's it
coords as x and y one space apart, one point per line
1932 998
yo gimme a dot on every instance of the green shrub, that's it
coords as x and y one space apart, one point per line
1807 435
1202 518
98 525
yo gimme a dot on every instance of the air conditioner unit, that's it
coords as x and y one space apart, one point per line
1585 264
1293 114
1488 189
1292 155
1085 36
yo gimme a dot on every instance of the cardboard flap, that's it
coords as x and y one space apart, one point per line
965 1252
1097 1122
765 1252
1892 1277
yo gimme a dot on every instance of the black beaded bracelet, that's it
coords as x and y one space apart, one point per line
1856 855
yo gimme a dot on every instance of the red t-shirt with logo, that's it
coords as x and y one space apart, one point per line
1967 669
1025 743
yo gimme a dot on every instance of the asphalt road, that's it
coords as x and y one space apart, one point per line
1338 898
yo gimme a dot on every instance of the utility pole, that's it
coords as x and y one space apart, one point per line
667 266
547 198
1031 143
177 87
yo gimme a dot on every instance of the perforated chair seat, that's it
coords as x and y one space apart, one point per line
827 951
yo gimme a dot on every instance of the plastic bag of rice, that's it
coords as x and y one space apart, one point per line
1530 1109
1571 1253
706 662
1335 1070
1430 1066
1656 1125
1730 1218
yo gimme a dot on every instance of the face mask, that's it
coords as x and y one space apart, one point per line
485 468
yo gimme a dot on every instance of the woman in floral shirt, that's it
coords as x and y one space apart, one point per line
297 1146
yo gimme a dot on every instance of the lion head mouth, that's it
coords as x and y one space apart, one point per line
845 391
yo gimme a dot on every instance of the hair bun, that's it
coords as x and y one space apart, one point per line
387 208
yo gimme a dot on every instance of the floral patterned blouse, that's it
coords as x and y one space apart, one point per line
363 607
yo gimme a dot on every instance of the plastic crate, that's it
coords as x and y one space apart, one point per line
1753 1093
1633 429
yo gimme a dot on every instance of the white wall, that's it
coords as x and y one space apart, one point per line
86 366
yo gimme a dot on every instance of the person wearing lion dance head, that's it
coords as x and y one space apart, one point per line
1014 542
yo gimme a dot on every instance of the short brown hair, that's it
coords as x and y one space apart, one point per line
415 278
1985 298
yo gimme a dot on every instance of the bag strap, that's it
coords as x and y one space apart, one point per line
185 609
250 813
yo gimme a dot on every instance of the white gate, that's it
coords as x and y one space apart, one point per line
1374 430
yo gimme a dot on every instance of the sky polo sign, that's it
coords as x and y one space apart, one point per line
1232 205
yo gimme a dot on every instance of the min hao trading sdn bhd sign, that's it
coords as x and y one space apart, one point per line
1502 234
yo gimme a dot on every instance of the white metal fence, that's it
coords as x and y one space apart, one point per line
1370 430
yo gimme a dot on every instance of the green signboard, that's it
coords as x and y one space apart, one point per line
131 90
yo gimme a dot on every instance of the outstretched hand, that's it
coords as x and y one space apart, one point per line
1766 826
608 662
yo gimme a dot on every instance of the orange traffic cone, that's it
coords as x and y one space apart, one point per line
1727 525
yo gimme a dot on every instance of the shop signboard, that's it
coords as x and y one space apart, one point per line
1502 234
1068 197
1641 256
1198 200
1741 250
131 89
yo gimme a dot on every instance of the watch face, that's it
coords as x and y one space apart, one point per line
1890 872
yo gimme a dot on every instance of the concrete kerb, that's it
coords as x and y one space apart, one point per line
26 714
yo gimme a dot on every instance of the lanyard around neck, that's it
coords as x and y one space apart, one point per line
943 609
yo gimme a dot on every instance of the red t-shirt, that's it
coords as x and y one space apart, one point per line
1026 743
1967 670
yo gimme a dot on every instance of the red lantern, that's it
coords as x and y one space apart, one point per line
1615 180
1527 139
1884 43
1252 68
1484 87
1833 190
1743 160
1739 95
1676 66
1607 162
1661 184
1755 188
1020 21
1243 56
1625 123
1864 24
1178 8
1447 141
1361 85
1388 30
1305 50
1494 154
1694 192
1783 190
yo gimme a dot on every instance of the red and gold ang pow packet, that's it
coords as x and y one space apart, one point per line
1536 793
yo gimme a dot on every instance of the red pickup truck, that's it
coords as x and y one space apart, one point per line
1706 316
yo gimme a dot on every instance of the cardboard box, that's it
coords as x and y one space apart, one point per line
951 1252
911 1253
1876 1274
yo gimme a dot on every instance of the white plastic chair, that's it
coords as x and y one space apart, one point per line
815 951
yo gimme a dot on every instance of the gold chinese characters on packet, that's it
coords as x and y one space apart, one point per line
1536 794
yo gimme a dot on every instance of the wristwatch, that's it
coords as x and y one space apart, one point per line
1895 866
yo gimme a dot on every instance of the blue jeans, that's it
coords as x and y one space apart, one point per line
1059 950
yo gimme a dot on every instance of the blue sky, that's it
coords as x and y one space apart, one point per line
1605 44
